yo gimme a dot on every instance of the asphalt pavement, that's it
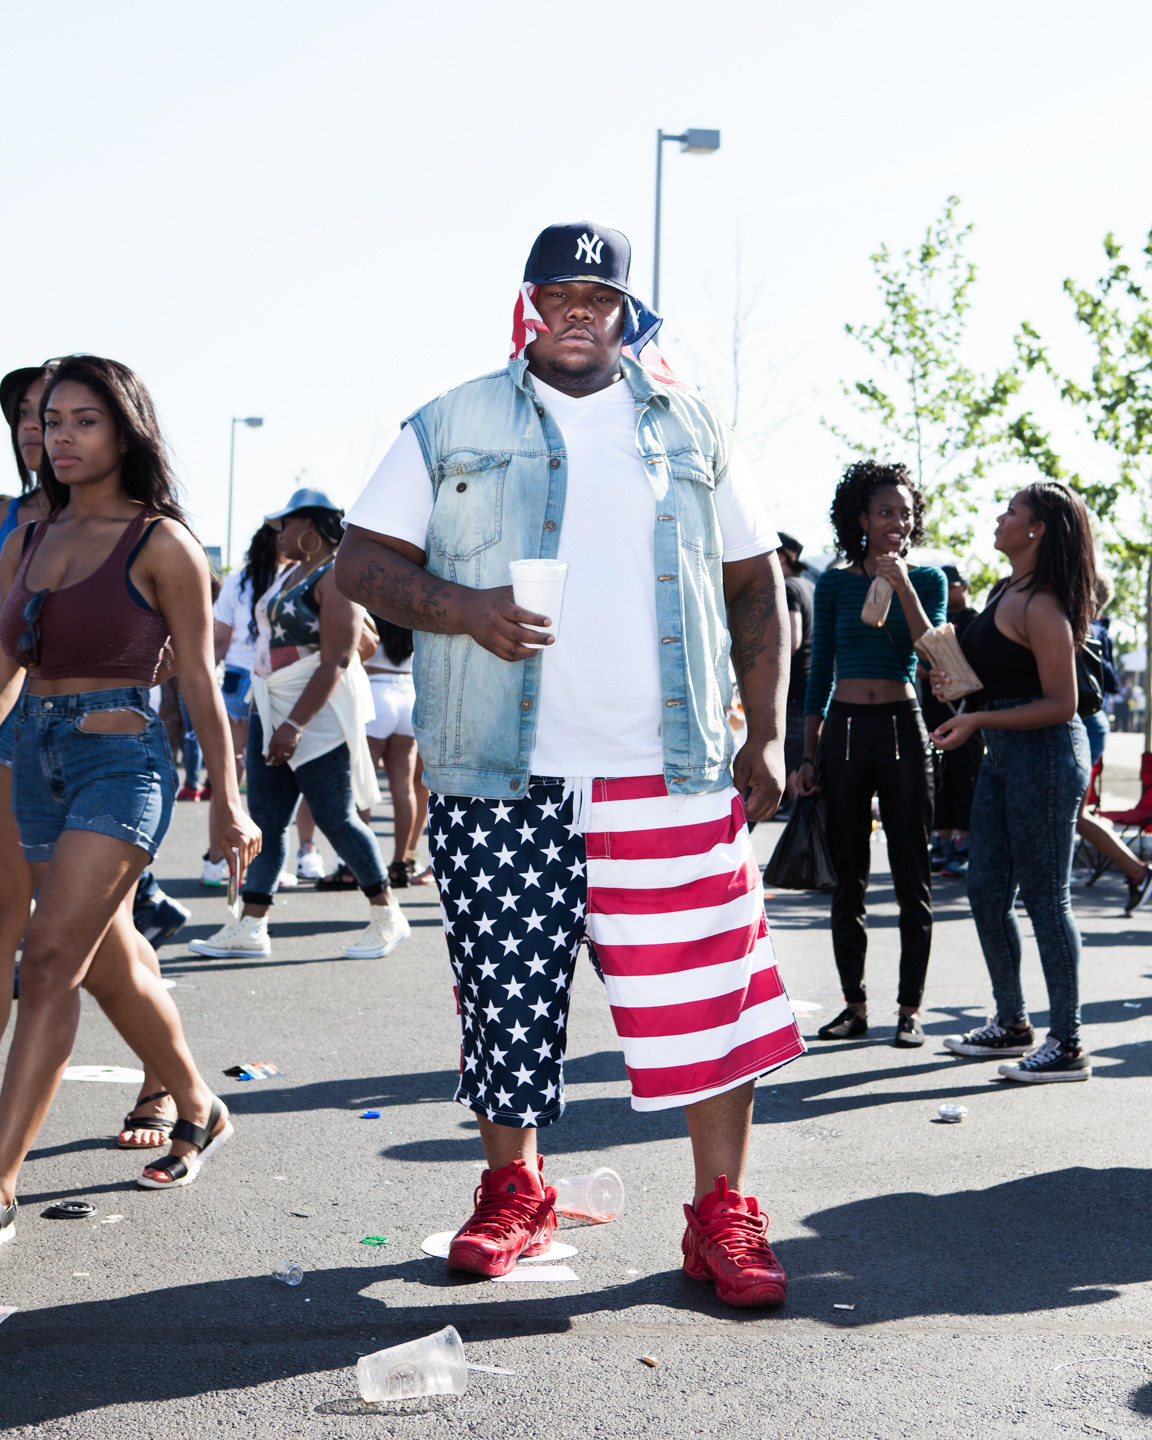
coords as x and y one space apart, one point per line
987 1278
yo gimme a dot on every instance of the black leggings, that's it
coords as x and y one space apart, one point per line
882 750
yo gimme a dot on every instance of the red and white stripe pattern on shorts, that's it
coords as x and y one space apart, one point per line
676 913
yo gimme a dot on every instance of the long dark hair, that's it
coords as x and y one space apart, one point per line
857 486
395 640
260 565
1066 563
28 480
146 472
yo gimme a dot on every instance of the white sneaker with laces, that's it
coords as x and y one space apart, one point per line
381 935
214 872
238 938
309 863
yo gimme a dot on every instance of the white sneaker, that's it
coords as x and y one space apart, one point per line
214 872
309 863
237 939
287 881
381 935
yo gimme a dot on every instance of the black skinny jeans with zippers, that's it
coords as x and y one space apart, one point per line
882 750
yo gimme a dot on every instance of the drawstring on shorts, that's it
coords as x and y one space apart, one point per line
581 789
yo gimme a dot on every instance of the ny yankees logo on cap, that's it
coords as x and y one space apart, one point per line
589 249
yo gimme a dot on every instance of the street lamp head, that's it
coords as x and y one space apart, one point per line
254 420
699 142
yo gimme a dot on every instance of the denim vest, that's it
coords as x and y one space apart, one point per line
499 470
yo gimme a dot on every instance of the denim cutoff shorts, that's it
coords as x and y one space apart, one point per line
8 735
66 778
236 689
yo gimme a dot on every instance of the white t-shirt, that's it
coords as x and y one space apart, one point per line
233 607
600 709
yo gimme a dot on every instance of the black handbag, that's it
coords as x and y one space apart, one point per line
802 860
1089 678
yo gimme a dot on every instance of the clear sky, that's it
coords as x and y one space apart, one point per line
320 214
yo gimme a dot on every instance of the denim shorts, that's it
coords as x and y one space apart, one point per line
235 688
67 778
8 735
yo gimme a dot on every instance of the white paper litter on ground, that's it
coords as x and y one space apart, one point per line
538 1275
6 1310
438 1245
805 1005
110 1074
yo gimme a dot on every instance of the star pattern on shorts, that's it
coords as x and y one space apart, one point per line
513 894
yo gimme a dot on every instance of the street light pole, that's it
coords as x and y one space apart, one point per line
254 421
692 142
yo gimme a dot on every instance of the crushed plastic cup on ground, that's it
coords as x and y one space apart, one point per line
253 1070
432 1365
290 1271
598 1197
538 585
952 1114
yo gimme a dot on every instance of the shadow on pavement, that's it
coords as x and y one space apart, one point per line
972 1252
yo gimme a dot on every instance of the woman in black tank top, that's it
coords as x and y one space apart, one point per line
1023 647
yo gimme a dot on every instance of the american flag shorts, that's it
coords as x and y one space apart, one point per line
666 890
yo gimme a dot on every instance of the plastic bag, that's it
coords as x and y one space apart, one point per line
802 860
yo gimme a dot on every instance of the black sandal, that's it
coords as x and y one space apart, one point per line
399 875
341 879
184 1169
132 1121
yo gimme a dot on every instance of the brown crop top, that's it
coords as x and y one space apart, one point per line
99 626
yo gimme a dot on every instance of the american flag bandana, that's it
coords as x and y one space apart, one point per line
640 325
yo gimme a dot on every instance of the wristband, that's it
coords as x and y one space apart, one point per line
807 760
295 725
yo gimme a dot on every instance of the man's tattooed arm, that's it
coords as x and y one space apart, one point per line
387 576
754 591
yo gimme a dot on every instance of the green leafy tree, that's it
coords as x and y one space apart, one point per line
1115 402
945 421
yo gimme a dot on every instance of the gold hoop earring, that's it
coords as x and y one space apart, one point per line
308 554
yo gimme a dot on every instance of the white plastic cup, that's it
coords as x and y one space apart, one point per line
952 1114
432 1365
290 1271
538 585
598 1197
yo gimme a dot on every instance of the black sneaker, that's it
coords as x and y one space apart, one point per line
1139 891
158 920
992 1040
909 1032
848 1025
1049 1062
939 855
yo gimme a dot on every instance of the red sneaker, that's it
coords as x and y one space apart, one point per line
206 791
515 1215
188 792
725 1243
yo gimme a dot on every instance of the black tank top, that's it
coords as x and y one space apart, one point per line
1007 668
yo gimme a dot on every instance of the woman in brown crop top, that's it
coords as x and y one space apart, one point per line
88 607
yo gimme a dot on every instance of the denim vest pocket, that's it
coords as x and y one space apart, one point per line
468 515
696 501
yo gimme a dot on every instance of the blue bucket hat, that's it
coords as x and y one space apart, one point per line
303 500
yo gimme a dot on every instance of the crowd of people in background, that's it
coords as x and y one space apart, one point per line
277 684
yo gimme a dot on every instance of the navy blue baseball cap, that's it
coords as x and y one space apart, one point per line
580 250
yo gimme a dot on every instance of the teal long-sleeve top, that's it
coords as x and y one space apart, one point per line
844 647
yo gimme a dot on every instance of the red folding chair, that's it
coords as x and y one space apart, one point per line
1086 856
1137 821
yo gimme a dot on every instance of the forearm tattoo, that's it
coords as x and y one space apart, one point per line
403 593
754 624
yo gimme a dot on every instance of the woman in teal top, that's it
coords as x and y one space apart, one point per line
863 725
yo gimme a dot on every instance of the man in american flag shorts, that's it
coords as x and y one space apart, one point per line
584 785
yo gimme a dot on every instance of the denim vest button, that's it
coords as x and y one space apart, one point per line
514 785
555 462
549 525
463 485
525 704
